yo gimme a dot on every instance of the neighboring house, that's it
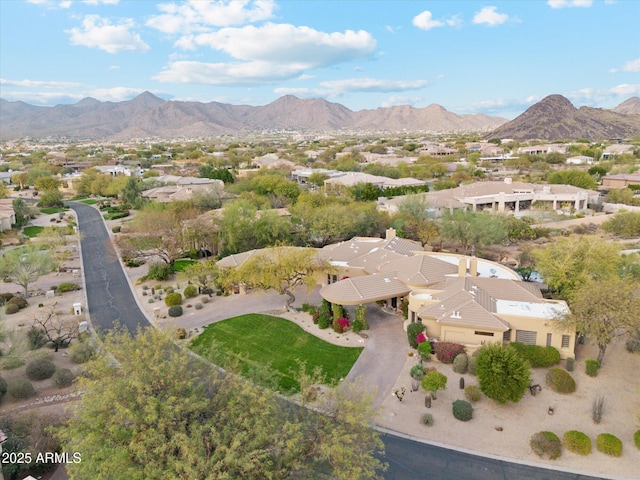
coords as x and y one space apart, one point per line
115 170
502 197
620 181
181 188
350 179
580 160
544 149
302 175
7 214
617 149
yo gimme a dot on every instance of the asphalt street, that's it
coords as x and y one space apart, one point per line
109 296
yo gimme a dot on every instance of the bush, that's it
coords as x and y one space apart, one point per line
204 300
81 352
427 419
190 291
592 366
413 329
168 290
63 378
338 311
609 444
472 393
546 445
417 372
324 321
181 333
11 308
116 228
5 297
636 438
633 345
560 380
340 325
356 326
447 351
175 311
12 363
597 409
424 349
20 388
3 387
536 355
361 316
198 306
68 287
173 299
159 271
577 442
460 363
21 302
462 410
473 362
40 369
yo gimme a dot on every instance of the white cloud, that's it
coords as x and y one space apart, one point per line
569 3
39 83
604 96
425 21
67 3
201 15
490 17
630 66
97 32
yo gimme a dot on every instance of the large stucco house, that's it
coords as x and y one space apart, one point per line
458 298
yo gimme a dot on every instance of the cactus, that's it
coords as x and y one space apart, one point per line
427 401
461 383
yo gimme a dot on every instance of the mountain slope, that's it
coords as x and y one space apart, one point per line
150 116
555 118
629 107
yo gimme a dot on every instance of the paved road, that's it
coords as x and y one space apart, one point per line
109 296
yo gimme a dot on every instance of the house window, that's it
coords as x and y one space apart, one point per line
506 336
565 341
549 336
525 336
334 278
485 334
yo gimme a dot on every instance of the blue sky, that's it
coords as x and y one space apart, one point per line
493 57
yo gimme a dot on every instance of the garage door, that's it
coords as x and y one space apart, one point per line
526 337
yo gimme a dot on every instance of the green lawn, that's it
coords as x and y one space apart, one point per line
52 210
255 339
32 231
180 265
89 201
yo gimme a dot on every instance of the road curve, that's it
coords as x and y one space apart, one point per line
110 300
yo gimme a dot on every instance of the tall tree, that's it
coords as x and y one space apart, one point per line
25 265
281 269
131 191
413 219
161 414
202 274
603 310
472 229
502 374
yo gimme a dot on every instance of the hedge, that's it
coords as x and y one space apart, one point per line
577 442
536 355
413 329
546 444
560 380
609 444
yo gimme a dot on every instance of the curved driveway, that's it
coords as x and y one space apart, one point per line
111 301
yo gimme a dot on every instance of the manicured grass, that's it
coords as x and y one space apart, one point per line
52 210
180 265
32 231
262 340
89 201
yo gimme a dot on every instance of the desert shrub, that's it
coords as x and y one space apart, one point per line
5 297
417 372
472 364
460 363
462 410
68 287
636 438
181 333
447 351
560 380
340 325
21 302
63 378
3 386
11 308
536 355
413 329
40 369
633 345
577 442
175 311
12 363
190 291
159 271
204 299
198 306
427 419
116 228
20 388
168 290
472 393
81 352
609 444
173 299
546 445
592 366
424 349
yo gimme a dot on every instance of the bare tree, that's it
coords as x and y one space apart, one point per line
57 330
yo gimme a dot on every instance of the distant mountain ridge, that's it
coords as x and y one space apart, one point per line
149 116
555 118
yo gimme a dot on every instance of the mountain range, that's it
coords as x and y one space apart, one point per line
147 116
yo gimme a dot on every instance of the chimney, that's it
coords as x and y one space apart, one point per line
473 267
462 267
390 233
